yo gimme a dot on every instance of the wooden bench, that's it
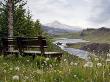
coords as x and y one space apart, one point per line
26 46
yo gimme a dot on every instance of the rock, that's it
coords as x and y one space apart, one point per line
97 47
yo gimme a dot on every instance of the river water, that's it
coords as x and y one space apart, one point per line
80 53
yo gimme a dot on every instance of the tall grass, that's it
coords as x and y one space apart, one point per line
70 69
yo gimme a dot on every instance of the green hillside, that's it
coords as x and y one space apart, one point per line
101 35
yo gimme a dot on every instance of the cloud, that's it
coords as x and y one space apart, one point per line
72 12
100 12
67 11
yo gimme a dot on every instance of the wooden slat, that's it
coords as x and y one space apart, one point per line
31 42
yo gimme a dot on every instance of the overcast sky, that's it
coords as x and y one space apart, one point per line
84 13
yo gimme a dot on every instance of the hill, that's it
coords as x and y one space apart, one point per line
101 35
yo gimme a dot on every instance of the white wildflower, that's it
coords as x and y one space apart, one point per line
75 75
64 59
47 59
75 64
27 60
50 65
88 64
99 64
16 77
11 69
26 77
39 71
17 68
45 62
108 55
4 71
96 59
60 71
71 63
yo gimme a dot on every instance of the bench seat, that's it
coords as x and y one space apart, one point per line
57 55
12 52
37 53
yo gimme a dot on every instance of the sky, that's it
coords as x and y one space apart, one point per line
83 13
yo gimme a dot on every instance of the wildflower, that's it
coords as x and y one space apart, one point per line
108 54
75 64
27 60
71 63
16 77
45 62
64 59
50 65
47 59
96 59
99 64
4 71
60 71
55 71
75 76
88 64
39 72
17 68
11 68
26 77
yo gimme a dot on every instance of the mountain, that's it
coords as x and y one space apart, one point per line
57 28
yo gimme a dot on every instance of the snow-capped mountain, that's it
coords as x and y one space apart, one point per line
57 27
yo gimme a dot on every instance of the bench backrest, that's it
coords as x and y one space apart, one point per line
25 42
8 42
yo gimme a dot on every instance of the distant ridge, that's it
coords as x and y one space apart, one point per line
102 34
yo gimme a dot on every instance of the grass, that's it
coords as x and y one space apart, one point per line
70 69
76 45
68 35
97 39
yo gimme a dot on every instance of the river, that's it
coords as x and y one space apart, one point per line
61 42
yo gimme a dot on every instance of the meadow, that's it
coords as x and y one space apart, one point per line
69 69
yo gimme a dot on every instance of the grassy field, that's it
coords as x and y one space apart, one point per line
68 35
98 39
101 35
76 45
70 69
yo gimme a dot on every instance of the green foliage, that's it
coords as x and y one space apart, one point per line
37 28
23 23
3 20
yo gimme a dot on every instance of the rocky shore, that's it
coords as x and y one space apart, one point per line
97 47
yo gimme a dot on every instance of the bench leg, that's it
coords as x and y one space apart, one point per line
33 57
5 55
59 57
16 55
